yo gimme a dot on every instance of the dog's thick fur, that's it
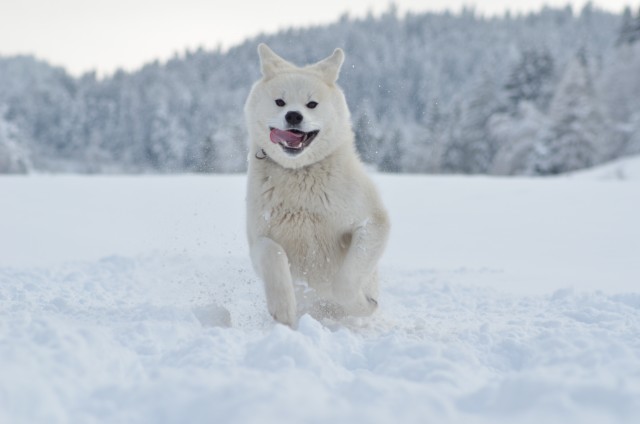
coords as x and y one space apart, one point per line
313 215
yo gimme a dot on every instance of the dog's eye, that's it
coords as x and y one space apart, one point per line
312 105
280 102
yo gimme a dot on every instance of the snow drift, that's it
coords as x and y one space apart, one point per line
131 299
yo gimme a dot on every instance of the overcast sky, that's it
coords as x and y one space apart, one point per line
82 35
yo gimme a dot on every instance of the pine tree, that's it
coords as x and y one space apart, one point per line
13 155
531 79
367 139
636 27
471 148
577 124
629 32
626 32
518 136
391 159
206 156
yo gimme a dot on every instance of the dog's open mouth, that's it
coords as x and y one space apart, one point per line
292 141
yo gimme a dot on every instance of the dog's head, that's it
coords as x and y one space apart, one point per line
298 116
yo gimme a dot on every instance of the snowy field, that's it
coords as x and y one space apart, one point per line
132 300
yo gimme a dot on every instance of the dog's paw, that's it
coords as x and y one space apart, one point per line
354 301
372 301
283 312
362 307
344 292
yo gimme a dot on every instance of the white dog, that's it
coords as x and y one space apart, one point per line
313 215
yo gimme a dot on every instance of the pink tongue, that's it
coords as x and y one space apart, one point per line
290 138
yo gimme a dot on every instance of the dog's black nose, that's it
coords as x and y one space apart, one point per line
293 118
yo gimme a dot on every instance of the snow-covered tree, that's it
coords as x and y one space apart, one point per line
368 137
471 147
531 79
619 86
519 137
392 156
231 149
577 126
206 156
630 28
13 153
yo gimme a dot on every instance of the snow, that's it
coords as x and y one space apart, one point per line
132 299
622 169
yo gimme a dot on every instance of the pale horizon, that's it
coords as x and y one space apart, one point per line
105 36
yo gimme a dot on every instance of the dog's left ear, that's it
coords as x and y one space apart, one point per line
329 68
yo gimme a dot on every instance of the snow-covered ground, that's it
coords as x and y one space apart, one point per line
622 169
131 299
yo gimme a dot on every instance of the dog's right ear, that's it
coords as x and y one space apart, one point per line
270 63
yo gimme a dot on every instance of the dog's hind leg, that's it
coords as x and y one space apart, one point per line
272 265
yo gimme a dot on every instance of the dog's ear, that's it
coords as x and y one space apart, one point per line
329 68
270 63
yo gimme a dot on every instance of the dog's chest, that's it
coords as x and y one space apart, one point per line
306 214
300 201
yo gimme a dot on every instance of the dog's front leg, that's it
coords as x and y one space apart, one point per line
355 287
272 265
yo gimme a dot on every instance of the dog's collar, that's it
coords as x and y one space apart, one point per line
261 154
